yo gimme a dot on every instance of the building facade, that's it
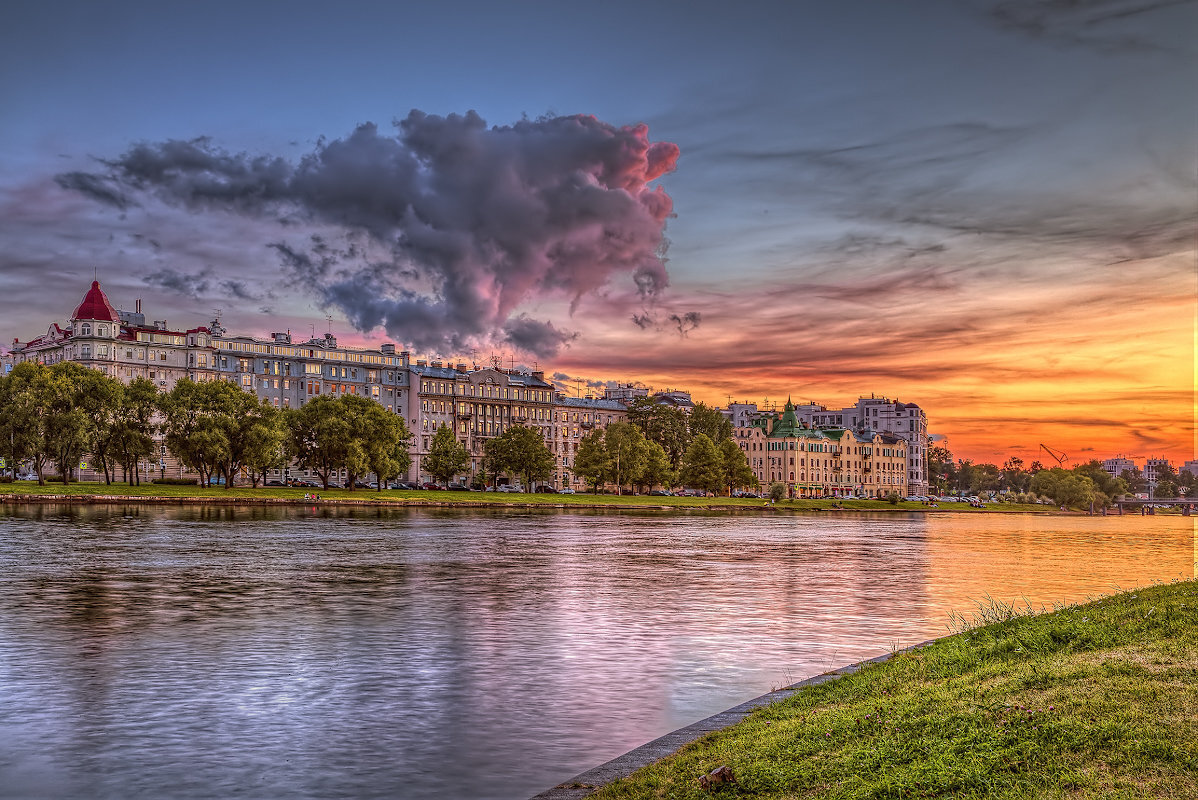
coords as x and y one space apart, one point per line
824 462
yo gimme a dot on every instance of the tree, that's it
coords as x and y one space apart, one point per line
657 470
100 398
26 408
266 444
189 430
67 435
520 450
627 453
702 466
1108 486
319 436
133 427
1064 487
1134 479
591 462
387 446
446 456
736 470
662 424
710 422
942 470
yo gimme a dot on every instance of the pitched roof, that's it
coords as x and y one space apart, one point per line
95 305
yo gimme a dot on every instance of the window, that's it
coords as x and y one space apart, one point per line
85 329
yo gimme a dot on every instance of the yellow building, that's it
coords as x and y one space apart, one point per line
824 462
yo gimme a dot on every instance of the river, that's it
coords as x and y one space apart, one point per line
153 652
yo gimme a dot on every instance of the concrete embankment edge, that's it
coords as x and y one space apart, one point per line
622 766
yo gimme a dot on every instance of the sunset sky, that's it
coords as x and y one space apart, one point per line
987 208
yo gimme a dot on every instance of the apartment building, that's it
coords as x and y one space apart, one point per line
574 418
907 421
1118 465
827 461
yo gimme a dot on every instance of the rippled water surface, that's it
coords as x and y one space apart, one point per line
168 653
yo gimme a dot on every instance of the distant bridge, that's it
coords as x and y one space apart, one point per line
1188 504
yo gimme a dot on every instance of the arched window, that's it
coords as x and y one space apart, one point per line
102 330
85 329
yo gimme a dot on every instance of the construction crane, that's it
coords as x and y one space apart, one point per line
1060 457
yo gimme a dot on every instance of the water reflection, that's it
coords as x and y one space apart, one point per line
180 652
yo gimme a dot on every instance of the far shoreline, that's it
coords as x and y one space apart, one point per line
152 494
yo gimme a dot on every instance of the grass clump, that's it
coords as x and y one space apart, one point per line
1089 701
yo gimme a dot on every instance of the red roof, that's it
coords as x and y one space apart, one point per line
95 305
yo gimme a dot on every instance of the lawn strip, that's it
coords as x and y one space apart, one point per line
1091 701
28 492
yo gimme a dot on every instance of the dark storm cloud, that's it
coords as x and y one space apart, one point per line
238 290
1110 26
94 186
181 283
687 322
927 183
535 336
462 223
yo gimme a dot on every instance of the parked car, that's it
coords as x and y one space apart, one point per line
457 487
406 485
546 490
363 485
567 490
274 483
660 493
508 488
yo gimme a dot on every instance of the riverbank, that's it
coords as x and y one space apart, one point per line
27 492
1093 700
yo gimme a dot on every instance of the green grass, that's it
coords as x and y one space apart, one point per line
176 493
1091 701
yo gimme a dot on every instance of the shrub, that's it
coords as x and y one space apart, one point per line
777 491
892 498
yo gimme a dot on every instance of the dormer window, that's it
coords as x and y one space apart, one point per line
85 329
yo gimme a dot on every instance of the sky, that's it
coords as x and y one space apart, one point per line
986 208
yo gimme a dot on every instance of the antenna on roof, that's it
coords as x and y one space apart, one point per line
329 319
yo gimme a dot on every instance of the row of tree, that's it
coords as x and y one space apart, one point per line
1078 486
55 416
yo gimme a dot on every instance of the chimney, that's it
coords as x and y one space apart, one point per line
438 364
460 367
138 308
160 324
421 363
387 349
539 375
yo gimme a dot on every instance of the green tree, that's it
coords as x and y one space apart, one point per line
1064 487
520 450
942 469
387 444
591 462
133 427
627 453
662 424
1134 479
1108 486
265 444
710 422
777 491
657 470
319 436
446 456
67 434
737 473
26 407
101 398
702 466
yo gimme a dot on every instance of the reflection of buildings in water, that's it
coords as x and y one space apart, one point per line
1029 559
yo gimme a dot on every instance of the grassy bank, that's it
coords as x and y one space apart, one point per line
1093 701
84 492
